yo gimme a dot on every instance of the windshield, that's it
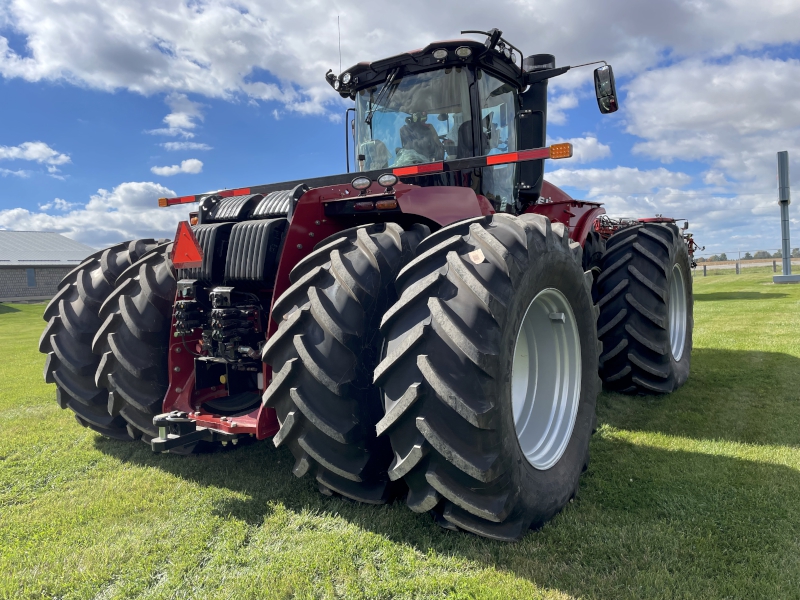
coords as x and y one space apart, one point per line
498 101
420 118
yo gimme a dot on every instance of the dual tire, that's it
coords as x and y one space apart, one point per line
646 319
73 319
412 376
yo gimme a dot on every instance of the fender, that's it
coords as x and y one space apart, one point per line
560 207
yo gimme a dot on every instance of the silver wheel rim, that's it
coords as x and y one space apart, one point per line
546 378
677 312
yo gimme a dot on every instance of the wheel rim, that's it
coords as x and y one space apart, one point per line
677 313
546 378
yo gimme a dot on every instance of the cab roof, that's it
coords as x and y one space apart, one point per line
368 74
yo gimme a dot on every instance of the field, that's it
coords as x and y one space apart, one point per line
692 495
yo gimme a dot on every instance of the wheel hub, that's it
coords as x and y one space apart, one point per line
677 312
546 378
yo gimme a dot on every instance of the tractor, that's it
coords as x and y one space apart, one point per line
433 327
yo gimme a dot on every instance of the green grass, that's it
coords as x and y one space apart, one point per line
693 495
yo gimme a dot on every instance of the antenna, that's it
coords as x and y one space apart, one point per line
339 28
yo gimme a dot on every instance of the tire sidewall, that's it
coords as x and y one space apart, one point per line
543 493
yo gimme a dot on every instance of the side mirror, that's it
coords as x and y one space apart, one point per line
605 89
686 225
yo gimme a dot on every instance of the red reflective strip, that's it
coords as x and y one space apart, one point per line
241 192
181 200
225 194
534 154
419 169
499 159
522 155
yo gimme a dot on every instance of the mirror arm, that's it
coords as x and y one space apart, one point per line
537 76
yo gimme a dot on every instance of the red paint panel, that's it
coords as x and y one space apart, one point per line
441 204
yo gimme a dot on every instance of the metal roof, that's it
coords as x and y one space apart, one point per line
40 248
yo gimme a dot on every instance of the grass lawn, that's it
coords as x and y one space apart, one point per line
692 495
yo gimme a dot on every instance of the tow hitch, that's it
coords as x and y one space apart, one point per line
177 429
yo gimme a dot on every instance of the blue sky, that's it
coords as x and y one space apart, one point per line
104 107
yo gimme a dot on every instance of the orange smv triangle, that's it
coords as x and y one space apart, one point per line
186 253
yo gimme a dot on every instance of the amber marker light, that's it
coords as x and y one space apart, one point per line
162 202
386 204
561 150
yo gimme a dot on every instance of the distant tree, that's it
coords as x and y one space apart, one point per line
777 254
723 256
714 258
795 252
701 259
747 256
763 254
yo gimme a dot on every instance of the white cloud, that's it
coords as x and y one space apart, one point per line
219 48
176 146
19 173
129 211
734 116
58 204
34 151
557 105
584 149
191 165
183 118
619 180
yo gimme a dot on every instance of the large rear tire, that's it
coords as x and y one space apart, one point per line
646 317
323 355
72 322
132 344
461 370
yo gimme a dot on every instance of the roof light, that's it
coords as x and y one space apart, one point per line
387 180
337 84
346 78
561 150
440 54
507 53
361 183
463 52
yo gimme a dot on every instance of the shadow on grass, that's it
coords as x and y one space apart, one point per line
740 396
5 308
647 523
720 296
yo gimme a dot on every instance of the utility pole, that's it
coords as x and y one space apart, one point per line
784 201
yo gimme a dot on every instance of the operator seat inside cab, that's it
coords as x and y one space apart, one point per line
421 137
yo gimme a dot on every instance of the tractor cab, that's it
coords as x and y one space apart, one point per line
456 99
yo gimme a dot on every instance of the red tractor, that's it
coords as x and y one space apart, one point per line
428 328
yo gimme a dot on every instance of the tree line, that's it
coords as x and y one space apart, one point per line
762 254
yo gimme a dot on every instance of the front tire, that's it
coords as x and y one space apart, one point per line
454 396
646 310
